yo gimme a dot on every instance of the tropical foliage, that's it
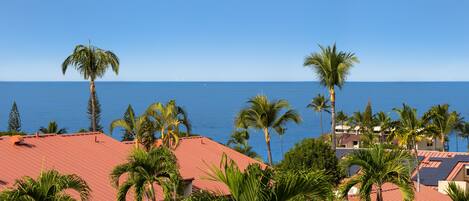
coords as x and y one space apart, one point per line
52 127
167 119
257 183
463 131
92 63
443 121
457 193
262 114
239 141
128 116
49 186
139 127
145 169
331 67
377 167
319 104
313 154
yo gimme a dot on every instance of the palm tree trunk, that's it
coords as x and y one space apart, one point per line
320 121
379 193
93 106
417 168
434 144
443 142
162 136
457 143
267 141
334 143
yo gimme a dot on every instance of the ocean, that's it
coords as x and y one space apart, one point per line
212 106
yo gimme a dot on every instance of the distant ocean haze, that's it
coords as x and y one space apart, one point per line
212 106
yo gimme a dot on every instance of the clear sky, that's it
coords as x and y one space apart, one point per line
237 40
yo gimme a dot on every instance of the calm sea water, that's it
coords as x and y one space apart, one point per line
212 106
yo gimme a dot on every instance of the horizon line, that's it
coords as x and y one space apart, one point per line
239 81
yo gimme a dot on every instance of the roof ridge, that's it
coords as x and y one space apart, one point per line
61 135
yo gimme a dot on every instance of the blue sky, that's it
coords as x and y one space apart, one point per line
237 40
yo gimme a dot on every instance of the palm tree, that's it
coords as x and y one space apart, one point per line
144 170
167 118
52 128
331 67
91 62
49 186
128 116
255 183
341 117
239 142
262 114
320 104
443 121
409 131
377 167
456 193
139 127
384 121
463 131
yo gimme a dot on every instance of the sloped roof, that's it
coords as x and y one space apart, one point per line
93 155
436 166
392 193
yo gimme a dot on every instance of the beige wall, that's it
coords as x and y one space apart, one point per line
423 145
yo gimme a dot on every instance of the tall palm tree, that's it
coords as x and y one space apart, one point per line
456 193
52 127
255 183
331 67
463 131
320 104
409 131
144 170
139 127
377 167
167 118
443 121
91 62
262 114
49 186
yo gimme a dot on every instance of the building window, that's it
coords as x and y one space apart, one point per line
467 171
429 143
355 143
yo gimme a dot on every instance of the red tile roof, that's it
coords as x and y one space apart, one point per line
93 155
392 193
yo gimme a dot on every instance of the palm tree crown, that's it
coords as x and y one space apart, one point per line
49 186
53 127
331 67
91 62
261 114
167 118
144 169
377 167
255 183
139 127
